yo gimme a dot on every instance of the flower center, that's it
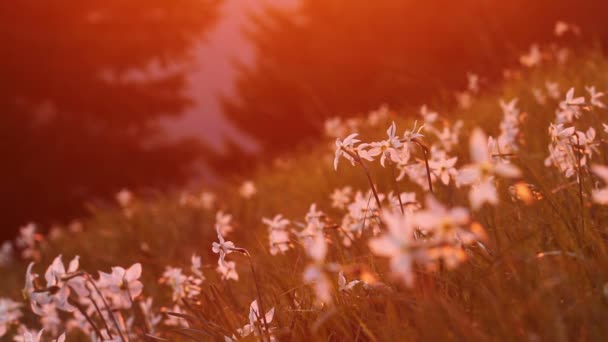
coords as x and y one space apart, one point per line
486 169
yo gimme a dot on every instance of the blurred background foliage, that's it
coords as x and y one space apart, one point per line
83 86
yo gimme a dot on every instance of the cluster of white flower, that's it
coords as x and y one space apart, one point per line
25 246
226 268
205 200
10 312
507 141
426 237
184 286
571 149
27 242
258 325
86 304
278 234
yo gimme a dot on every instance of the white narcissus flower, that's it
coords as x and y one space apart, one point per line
50 319
26 241
26 335
247 189
57 289
222 222
343 285
428 116
532 58
585 140
278 235
6 254
29 290
571 100
152 317
408 199
360 215
79 321
178 281
552 90
414 133
569 147
483 192
280 241
334 127
569 108
314 243
207 200
313 215
124 197
483 167
256 321
314 274
506 142
316 246
449 137
362 206
277 222
227 269
446 224
76 227
443 169
341 197
600 195
29 336
375 116
222 247
122 285
594 97
539 96
559 132
473 82
196 266
10 312
342 145
560 28
509 108
395 244
386 148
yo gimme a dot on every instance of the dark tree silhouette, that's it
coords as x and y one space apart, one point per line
83 86
344 57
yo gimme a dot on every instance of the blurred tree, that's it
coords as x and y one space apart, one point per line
84 84
343 57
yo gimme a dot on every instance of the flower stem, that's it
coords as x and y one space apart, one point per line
425 151
371 183
105 303
88 318
257 289
369 177
396 187
579 172
105 324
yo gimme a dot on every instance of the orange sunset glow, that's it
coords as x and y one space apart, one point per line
303 170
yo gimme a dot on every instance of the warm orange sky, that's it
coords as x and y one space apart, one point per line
215 73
